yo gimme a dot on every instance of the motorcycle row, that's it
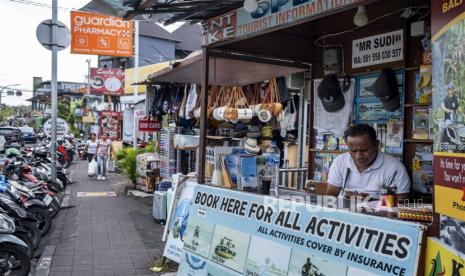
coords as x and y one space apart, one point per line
29 200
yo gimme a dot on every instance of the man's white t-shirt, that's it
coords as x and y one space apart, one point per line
371 180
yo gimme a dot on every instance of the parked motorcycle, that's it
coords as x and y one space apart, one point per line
14 259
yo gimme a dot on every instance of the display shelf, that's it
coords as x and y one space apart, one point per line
417 105
425 141
328 151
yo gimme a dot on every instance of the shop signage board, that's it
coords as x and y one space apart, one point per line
62 127
149 125
447 24
378 49
106 81
269 15
248 234
110 123
96 34
443 260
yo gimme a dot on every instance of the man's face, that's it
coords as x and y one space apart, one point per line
450 92
362 150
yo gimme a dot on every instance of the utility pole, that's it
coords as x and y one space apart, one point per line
136 78
53 143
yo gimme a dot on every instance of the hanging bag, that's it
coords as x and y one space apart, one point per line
182 107
191 101
288 121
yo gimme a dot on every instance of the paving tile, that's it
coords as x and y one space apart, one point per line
110 272
60 273
61 267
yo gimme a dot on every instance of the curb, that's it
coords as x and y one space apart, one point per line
45 261
65 200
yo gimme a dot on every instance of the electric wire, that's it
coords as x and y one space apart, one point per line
39 4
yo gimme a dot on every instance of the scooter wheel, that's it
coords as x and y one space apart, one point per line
44 221
33 233
21 264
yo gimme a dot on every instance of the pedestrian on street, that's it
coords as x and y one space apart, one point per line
104 150
91 147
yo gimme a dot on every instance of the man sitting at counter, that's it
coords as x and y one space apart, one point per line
364 170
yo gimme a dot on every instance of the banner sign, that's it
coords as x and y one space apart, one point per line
110 123
448 23
96 34
443 260
178 221
256 235
149 125
128 124
269 15
378 49
106 81
62 127
449 180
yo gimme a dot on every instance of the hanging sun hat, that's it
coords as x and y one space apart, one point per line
251 146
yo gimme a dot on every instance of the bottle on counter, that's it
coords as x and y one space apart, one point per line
272 156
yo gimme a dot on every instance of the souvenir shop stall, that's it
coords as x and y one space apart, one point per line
374 67
382 63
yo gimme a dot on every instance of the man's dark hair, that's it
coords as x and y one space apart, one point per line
361 129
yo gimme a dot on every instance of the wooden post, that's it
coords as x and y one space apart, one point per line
203 116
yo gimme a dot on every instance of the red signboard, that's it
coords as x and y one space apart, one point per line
110 123
106 81
149 125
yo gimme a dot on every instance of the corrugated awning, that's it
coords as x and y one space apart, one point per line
163 11
223 71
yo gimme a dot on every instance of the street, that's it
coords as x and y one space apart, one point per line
103 235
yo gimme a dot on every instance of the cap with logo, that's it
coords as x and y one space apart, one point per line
386 89
330 93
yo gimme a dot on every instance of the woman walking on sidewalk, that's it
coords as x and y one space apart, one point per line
104 149
91 147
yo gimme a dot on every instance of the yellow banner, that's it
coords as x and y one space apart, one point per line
441 260
144 72
449 202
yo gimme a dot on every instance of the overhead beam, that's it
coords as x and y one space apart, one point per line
194 12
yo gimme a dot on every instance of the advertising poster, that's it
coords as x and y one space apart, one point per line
453 233
177 223
110 123
448 34
96 34
443 260
104 81
287 240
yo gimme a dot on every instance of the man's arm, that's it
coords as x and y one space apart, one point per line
443 106
332 190
335 178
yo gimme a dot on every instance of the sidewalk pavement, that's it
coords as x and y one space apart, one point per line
104 235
